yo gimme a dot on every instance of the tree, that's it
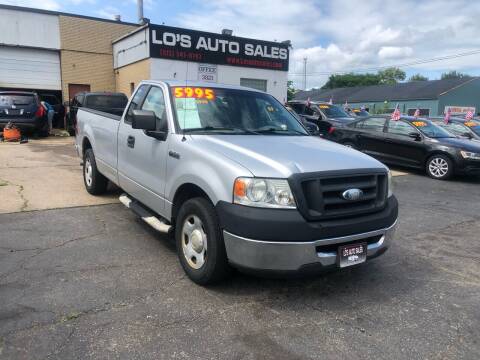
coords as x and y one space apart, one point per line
391 75
454 75
290 90
350 80
418 77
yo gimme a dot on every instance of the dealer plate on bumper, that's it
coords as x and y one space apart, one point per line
352 254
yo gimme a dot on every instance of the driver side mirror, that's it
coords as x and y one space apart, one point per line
144 120
415 136
467 135
147 120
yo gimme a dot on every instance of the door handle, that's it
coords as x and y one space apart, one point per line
131 141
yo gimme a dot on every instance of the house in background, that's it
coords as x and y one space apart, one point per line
431 97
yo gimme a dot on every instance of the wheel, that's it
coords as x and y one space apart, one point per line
95 183
439 167
349 144
200 245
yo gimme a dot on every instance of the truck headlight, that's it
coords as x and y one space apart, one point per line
390 184
259 192
470 155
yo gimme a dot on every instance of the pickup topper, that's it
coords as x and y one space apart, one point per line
238 181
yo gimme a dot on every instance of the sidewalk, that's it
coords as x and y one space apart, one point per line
44 174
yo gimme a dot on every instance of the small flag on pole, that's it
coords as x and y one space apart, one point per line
417 113
330 101
469 115
396 115
308 102
345 106
448 113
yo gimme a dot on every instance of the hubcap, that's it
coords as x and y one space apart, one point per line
438 167
194 242
88 172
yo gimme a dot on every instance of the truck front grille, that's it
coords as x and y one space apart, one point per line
319 195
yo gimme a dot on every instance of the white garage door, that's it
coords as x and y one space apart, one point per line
24 68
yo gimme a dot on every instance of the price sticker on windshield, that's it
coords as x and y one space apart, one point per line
194 92
471 124
324 106
419 123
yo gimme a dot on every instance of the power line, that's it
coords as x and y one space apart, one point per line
416 62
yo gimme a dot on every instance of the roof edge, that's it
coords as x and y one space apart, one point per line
59 13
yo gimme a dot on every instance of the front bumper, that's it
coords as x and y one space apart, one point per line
294 256
468 167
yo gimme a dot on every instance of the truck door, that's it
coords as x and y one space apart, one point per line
141 158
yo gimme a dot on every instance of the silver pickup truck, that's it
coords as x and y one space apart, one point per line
238 181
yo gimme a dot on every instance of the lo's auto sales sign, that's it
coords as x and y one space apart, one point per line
188 45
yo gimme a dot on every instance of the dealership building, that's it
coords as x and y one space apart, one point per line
431 97
62 54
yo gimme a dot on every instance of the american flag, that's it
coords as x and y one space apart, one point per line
469 115
396 115
448 113
417 113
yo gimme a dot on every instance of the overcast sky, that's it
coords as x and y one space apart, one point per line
335 36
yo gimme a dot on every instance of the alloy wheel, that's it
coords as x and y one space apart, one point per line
438 167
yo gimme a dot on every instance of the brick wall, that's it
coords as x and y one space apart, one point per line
133 73
86 52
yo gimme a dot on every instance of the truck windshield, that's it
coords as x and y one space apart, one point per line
230 111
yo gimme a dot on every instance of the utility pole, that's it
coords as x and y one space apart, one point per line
304 73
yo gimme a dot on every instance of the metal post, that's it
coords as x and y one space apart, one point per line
305 73
140 10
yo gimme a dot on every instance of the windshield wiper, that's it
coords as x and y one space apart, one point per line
221 128
210 128
276 130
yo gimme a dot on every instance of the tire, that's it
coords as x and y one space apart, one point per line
349 144
200 245
439 167
95 183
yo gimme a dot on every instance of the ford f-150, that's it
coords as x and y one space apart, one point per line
237 180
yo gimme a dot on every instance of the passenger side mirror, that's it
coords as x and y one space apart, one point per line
311 128
144 120
416 136
467 135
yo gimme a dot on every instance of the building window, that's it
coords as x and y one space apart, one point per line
423 112
257 84
132 88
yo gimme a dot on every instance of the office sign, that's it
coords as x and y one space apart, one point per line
188 45
207 72
459 110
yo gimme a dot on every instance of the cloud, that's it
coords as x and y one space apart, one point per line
343 35
394 52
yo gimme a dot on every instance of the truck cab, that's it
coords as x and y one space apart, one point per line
238 181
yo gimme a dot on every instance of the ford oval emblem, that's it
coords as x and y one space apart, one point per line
352 194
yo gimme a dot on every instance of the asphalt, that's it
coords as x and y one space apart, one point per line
96 283
44 174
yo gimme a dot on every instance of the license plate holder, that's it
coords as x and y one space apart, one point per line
352 254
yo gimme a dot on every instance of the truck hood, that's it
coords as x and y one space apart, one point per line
282 156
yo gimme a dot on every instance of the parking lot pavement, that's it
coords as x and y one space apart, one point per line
43 174
95 282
